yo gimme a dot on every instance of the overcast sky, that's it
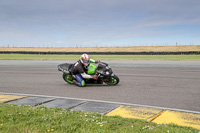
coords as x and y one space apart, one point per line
99 22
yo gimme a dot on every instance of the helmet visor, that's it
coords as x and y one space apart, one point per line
86 62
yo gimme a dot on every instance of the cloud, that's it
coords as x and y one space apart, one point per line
78 21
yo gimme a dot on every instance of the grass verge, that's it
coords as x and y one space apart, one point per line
99 57
27 119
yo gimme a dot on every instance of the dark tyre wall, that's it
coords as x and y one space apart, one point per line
106 53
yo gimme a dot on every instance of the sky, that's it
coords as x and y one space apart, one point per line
99 23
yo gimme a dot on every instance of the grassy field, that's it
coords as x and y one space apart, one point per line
103 49
25 119
98 57
108 49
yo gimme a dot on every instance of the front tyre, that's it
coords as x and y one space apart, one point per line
68 78
113 80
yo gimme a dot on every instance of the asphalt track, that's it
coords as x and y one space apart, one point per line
170 84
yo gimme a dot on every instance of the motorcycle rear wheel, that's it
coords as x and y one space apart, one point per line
113 80
68 78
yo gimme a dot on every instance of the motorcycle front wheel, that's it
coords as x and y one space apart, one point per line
113 80
68 78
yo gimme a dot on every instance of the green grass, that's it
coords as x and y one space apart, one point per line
25 119
99 57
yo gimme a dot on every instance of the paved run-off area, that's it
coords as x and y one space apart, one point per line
161 116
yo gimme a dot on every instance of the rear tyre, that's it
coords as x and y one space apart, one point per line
68 78
113 80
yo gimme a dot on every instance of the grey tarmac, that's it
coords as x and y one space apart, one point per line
169 84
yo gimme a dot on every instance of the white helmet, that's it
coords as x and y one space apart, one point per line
85 59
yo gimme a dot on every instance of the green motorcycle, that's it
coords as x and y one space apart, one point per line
102 70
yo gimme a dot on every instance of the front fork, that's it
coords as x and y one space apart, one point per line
107 79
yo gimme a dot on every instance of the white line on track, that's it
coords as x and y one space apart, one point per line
91 100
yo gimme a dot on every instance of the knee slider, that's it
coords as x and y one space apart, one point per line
83 83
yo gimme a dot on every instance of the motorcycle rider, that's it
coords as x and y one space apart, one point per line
79 70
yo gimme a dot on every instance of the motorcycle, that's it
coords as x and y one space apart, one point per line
102 70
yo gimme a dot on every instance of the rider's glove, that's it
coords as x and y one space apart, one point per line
97 61
94 76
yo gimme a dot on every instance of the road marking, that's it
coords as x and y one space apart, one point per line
179 118
154 117
134 112
121 103
5 98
